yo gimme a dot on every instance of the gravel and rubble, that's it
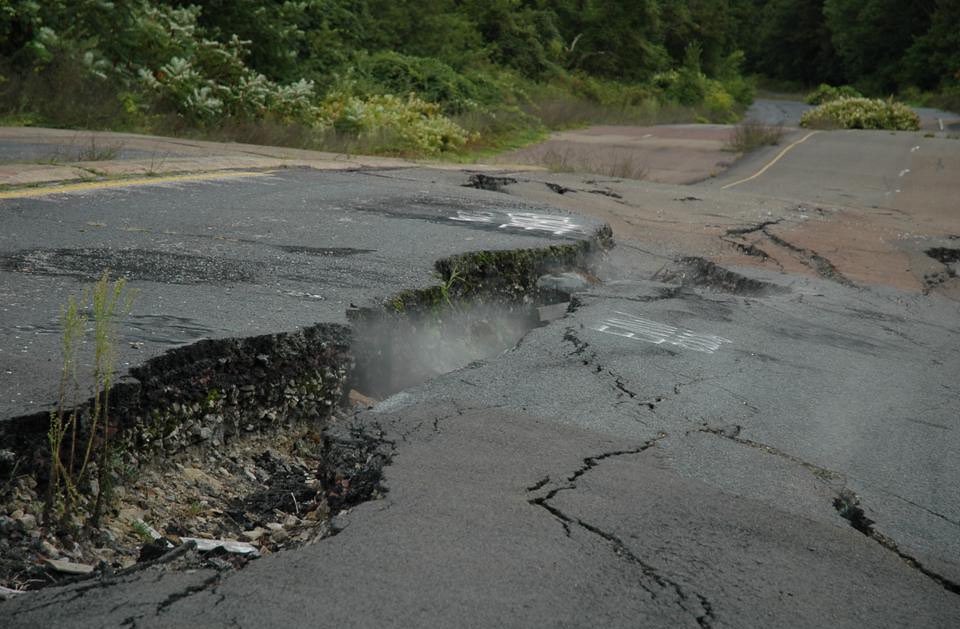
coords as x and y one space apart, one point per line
229 504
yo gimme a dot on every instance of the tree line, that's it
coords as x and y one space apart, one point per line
206 59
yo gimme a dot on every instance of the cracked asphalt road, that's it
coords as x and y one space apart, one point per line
687 447
236 257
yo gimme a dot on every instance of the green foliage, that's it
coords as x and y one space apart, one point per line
89 448
406 124
432 80
826 93
862 113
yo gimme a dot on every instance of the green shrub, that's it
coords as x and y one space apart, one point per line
862 113
718 103
406 125
826 93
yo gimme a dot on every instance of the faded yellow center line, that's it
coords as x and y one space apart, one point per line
87 186
771 162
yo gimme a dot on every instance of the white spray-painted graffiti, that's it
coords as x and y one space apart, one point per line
527 221
632 327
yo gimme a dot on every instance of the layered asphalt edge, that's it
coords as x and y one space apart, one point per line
214 391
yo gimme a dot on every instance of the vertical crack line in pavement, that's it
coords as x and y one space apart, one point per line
702 610
847 504
749 229
619 385
819 264
732 433
543 503
750 249
704 619
539 484
210 581
591 462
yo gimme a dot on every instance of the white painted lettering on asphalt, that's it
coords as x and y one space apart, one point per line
527 221
640 329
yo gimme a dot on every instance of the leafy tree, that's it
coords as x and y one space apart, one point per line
792 42
871 36
933 60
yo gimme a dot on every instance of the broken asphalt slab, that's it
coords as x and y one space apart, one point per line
237 257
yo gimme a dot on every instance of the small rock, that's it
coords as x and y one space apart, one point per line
7 525
255 534
274 526
279 536
228 545
28 521
49 549
68 567
291 521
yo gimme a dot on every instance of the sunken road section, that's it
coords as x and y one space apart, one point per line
214 391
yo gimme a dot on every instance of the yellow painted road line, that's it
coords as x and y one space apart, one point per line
87 186
772 162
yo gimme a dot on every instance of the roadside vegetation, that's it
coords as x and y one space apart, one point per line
861 113
397 77
450 77
750 135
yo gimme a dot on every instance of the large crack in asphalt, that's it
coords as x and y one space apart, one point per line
819 264
693 603
846 502
813 260
618 383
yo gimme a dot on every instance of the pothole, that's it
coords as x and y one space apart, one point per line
944 255
229 449
950 259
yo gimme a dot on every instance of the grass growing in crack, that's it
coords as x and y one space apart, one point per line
750 135
82 457
447 287
142 531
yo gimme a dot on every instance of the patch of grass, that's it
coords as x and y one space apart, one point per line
750 135
142 531
558 161
91 151
621 165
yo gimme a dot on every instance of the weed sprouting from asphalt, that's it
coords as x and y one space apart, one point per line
89 430
750 135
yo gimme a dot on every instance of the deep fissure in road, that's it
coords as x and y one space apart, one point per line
247 418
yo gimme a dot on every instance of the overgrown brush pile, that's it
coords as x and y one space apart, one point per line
862 113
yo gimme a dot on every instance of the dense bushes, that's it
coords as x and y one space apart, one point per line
408 125
862 113
397 70
826 93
